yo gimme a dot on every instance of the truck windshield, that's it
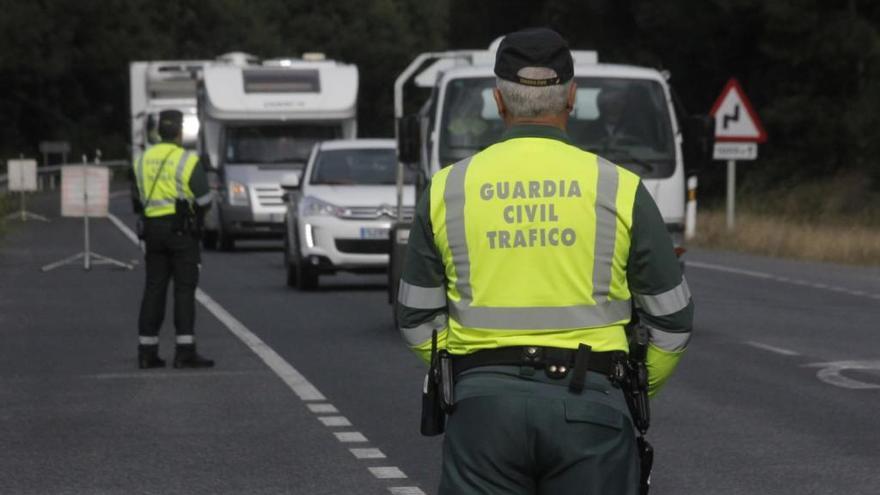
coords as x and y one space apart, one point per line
370 167
624 120
275 144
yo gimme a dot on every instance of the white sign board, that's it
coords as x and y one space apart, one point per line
22 175
93 180
735 151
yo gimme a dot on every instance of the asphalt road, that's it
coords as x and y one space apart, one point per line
755 407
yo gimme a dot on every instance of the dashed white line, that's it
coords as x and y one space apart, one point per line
387 472
350 436
334 420
793 281
771 348
323 408
295 381
405 490
367 453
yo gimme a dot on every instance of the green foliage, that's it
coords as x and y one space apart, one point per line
812 67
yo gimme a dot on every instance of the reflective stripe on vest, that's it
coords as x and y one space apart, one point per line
602 242
173 182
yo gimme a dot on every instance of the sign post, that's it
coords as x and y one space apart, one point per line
23 178
85 192
737 134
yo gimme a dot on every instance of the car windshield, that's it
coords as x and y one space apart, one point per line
370 167
275 144
624 120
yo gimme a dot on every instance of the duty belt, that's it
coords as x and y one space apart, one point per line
556 362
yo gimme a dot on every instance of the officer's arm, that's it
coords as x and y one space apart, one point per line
660 292
198 184
421 301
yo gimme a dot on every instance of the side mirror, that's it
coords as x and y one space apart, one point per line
290 182
408 139
698 134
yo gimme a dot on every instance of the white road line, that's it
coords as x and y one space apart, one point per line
350 436
288 374
406 490
387 472
323 408
367 453
768 276
334 420
293 379
777 350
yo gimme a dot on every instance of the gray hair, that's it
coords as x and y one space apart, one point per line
534 101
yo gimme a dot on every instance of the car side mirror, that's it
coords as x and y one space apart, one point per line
698 134
408 139
290 182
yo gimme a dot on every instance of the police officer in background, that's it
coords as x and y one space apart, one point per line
527 261
174 192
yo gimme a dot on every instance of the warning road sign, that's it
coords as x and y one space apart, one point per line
735 119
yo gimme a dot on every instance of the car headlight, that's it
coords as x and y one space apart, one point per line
311 206
238 195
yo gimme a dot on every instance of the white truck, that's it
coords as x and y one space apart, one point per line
259 124
626 114
161 85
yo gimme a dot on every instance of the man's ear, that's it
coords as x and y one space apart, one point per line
572 96
499 102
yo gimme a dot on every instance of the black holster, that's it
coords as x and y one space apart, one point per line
635 387
186 218
436 392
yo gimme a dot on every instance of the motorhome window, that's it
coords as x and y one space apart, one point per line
281 81
275 144
625 120
371 167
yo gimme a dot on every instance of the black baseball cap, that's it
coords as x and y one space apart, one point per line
170 123
534 47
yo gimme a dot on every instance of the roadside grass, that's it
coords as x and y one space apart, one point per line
836 220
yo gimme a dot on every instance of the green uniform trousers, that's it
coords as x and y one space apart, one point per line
516 431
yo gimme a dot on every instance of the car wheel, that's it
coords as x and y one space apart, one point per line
306 274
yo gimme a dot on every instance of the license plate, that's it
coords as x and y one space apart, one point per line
374 233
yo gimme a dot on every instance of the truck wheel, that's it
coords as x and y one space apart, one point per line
289 265
226 242
209 239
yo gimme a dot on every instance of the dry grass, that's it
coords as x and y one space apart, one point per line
790 238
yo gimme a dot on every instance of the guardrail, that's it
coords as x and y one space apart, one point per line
48 178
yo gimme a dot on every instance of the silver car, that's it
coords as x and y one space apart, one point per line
339 212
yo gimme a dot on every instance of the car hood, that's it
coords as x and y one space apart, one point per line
361 195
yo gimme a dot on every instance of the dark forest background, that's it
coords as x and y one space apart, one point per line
811 67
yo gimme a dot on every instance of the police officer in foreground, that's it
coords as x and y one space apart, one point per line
526 263
174 192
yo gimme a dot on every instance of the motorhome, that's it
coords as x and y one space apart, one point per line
259 123
623 113
161 85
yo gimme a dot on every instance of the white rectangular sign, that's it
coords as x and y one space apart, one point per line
96 184
22 175
735 151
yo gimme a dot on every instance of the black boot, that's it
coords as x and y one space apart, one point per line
187 357
148 357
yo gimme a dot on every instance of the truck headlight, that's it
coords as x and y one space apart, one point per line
238 195
311 206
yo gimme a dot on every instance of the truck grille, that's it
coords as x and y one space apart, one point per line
268 195
363 246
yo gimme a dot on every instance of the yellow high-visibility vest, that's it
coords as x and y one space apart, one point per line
534 235
171 185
